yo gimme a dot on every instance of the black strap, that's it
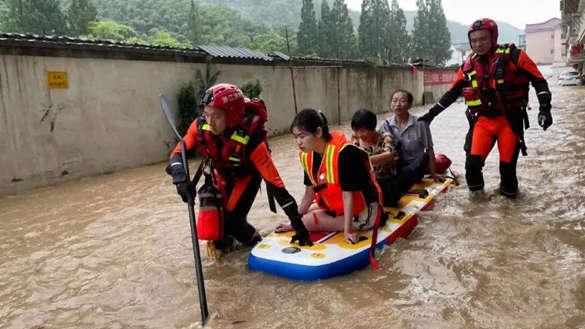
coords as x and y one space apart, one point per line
199 172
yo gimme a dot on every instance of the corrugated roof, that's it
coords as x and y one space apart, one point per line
15 39
280 55
232 52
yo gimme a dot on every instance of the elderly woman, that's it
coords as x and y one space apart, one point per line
413 140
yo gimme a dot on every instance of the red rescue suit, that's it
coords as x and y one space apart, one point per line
241 159
495 87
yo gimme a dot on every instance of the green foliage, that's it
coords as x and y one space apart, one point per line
195 23
79 14
400 39
268 42
343 41
113 31
325 31
161 38
191 93
308 35
374 30
431 39
35 16
252 89
4 17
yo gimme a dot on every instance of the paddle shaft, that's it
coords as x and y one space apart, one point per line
195 242
190 207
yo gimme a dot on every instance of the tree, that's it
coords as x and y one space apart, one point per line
195 30
36 16
420 32
440 47
4 18
162 38
343 42
268 42
111 30
80 13
400 45
325 31
308 30
375 39
431 37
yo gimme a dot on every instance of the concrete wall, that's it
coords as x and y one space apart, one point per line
109 118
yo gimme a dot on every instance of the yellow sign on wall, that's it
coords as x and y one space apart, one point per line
57 80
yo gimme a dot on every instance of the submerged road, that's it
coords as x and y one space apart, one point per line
114 251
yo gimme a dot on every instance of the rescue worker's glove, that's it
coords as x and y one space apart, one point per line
301 233
431 114
184 187
544 117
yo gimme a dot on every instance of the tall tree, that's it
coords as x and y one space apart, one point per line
308 35
325 31
431 37
400 45
440 47
420 32
344 43
195 30
374 37
80 13
36 16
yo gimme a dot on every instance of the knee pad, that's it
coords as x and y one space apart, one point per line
508 179
473 172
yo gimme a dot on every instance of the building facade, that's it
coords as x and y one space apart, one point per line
543 42
573 31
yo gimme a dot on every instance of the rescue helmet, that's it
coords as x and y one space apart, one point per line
485 24
229 98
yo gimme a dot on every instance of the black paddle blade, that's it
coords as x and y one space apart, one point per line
166 108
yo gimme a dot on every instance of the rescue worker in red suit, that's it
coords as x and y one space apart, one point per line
235 140
494 81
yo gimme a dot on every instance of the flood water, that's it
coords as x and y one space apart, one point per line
114 251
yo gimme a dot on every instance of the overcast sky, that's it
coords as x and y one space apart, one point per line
516 12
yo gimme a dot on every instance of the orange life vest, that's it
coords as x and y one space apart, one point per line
326 185
229 149
498 81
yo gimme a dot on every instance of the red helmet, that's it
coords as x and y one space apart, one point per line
485 24
229 98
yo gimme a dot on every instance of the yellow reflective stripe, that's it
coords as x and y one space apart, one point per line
500 81
499 51
307 166
472 73
474 83
206 127
473 103
329 155
238 138
234 159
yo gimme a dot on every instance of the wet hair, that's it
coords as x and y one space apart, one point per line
363 118
406 92
309 120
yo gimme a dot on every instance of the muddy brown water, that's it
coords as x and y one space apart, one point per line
114 251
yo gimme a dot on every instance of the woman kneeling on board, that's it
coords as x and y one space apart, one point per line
341 193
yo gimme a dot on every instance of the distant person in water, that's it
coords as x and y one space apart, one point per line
340 190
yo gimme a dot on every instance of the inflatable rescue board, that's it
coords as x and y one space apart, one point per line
330 255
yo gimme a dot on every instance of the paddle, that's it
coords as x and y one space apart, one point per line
164 104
